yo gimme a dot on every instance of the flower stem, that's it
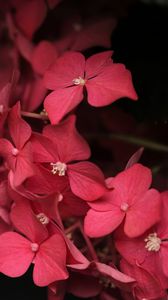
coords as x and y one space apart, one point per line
34 115
89 244
133 140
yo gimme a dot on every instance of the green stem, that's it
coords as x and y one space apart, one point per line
34 115
133 140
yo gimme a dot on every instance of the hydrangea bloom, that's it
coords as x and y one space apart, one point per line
104 80
129 197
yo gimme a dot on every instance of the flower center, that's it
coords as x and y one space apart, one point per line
60 197
15 151
77 27
43 218
124 206
79 81
152 242
1 108
59 168
34 247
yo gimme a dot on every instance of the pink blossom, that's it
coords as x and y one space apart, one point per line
151 247
17 252
104 81
18 155
147 286
130 201
85 178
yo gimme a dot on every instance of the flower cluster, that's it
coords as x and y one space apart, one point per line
85 234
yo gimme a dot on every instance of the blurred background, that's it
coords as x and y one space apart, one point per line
139 40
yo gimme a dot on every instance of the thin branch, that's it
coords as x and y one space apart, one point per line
132 140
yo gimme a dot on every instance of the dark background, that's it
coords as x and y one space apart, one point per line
140 42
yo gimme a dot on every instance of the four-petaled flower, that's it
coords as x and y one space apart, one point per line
104 81
130 200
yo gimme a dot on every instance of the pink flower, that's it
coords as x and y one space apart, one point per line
18 155
17 252
148 286
130 201
151 247
104 81
85 178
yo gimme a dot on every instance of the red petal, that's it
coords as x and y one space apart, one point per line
164 255
19 129
162 227
110 201
132 182
26 222
86 180
145 212
72 205
131 249
34 93
148 286
113 83
23 170
6 152
75 259
70 145
43 56
62 101
24 45
15 254
118 277
98 224
67 68
96 63
50 261
43 149
30 15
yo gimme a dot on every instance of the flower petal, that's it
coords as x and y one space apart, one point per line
113 83
67 67
50 261
30 15
96 63
98 224
43 56
144 213
19 129
62 101
15 254
26 222
133 182
86 180
70 145
118 277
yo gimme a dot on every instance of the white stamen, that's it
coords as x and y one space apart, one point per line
34 247
79 81
15 151
43 218
124 206
152 242
59 168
